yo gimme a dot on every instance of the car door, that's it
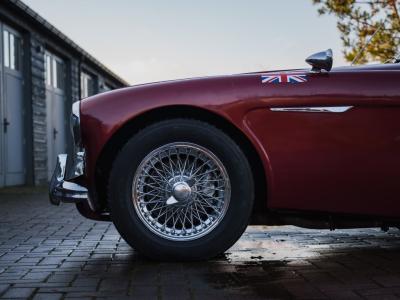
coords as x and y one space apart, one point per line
332 142
12 137
55 109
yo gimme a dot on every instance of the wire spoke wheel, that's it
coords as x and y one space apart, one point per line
181 191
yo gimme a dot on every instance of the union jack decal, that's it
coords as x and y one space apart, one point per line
284 78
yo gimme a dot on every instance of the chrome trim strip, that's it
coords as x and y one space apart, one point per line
314 109
75 124
74 187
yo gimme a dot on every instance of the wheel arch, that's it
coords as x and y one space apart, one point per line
118 140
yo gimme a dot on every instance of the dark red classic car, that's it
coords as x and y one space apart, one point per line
182 167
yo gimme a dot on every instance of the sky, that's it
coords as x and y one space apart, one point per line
153 40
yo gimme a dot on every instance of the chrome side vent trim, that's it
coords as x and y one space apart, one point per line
314 109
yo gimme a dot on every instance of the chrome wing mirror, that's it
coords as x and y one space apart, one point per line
321 61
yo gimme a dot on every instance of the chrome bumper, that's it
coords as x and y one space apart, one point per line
62 190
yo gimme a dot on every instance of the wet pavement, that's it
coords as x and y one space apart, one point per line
49 252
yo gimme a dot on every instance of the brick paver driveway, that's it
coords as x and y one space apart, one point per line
52 252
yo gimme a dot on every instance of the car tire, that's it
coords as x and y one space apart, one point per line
221 182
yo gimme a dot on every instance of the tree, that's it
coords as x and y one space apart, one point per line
358 20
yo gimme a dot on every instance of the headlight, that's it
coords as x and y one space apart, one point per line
76 123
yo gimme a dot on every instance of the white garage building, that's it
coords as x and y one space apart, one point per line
42 72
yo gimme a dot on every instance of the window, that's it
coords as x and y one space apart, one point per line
58 74
48 69
54 71
11 50
87 85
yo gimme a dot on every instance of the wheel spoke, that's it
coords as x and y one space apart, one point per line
181 191
213 198
155 187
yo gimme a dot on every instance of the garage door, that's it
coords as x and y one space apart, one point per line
55 109
12 141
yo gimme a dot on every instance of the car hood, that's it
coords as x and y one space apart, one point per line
224 81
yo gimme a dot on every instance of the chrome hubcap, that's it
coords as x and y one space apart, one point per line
181 191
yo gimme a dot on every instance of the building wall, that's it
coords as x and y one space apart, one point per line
38 41
39 111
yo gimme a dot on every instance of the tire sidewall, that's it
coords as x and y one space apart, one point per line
138 147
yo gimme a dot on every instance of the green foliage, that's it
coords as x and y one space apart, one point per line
358 20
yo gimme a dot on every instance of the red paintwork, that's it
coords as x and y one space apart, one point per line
332 162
